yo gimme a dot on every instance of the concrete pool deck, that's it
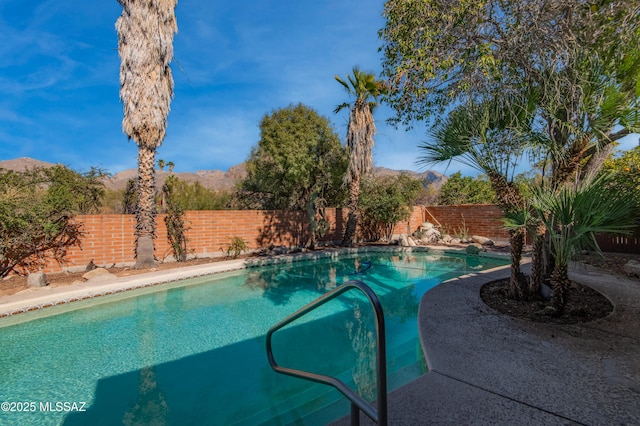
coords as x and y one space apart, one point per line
486 368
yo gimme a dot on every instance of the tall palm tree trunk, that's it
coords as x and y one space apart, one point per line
146 211
352 220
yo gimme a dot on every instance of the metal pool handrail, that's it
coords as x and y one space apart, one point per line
378 415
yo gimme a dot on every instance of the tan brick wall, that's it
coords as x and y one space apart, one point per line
110 239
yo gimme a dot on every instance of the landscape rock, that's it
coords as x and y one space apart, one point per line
404 241
98 272
278 250
91 266
446 238
431 236
482 240
455 241
632 268
472 249
426 226
411 242
546 292
37 279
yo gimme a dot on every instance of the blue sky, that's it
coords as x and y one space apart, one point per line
234 63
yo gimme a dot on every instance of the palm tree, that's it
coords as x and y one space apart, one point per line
363 87
145 45
573 214
485 137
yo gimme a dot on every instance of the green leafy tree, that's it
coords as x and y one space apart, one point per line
577 62
366 89
466 190
36 214
626 169
385 201
145 46
194 196
298 164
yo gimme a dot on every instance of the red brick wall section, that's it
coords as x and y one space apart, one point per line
483 219
110 239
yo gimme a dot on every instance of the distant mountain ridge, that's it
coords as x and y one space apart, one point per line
213 179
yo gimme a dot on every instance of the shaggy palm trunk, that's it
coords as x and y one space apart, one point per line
537 261
146 211
352 220
360 142
559 283
516 241
567 169
509 198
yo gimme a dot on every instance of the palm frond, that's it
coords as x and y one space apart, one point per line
342 106
343 83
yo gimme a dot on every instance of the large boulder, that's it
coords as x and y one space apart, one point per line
431 236
632 268
482 240
426 226
37 279
404 240
98 274
472 249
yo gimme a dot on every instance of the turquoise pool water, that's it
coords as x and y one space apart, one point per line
193 352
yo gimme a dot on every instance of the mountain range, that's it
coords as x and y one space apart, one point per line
213 179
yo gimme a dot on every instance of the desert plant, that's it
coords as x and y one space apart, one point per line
236 246
573 214
174 219
36 214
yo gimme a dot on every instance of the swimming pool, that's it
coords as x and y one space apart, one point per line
193 352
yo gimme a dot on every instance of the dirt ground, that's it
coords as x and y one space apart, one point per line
16 284
583 304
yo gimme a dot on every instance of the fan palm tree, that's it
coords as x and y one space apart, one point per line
573 214
485 137
145 45
365 88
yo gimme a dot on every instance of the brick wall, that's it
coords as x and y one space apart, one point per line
480 219
109 239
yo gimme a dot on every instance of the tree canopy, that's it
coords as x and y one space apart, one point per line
298 155
576 63
36 214
385 201
466 190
